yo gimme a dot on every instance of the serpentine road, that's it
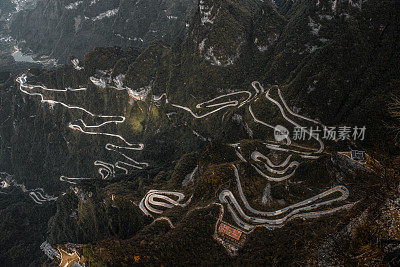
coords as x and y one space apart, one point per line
275 172
293 211
149 200
274 169
156 201
253 96
106 170
37 195
220 106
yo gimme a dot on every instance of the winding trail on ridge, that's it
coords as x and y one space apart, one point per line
156 199
223 105
37 195
105 170
293 211
284 170
258 91
321 148
149 200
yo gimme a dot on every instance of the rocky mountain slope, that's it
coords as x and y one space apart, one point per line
339 54
61 28
187 118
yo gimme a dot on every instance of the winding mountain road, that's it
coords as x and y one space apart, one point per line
276 172
105 170
221 105
156 201
155 198
37 195
292 211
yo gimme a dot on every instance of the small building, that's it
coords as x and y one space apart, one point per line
232 235
229 232
359 156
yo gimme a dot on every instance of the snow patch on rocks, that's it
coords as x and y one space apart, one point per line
212 56
73 5
107 14
315 27
205 13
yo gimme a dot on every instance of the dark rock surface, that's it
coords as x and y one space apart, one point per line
61 28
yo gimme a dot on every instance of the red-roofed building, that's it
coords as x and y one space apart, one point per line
229 231
231 234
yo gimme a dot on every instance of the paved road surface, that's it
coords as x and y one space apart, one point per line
292 211
161 198
105 170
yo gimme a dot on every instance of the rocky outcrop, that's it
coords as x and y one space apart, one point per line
61 28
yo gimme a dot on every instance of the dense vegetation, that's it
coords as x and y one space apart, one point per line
59 28
23 228
335 63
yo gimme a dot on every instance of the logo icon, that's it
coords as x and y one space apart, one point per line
280 133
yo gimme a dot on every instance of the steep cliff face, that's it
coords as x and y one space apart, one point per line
327 56
226 46
6 6
184 97
61 28
31 127
283 6
306 54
